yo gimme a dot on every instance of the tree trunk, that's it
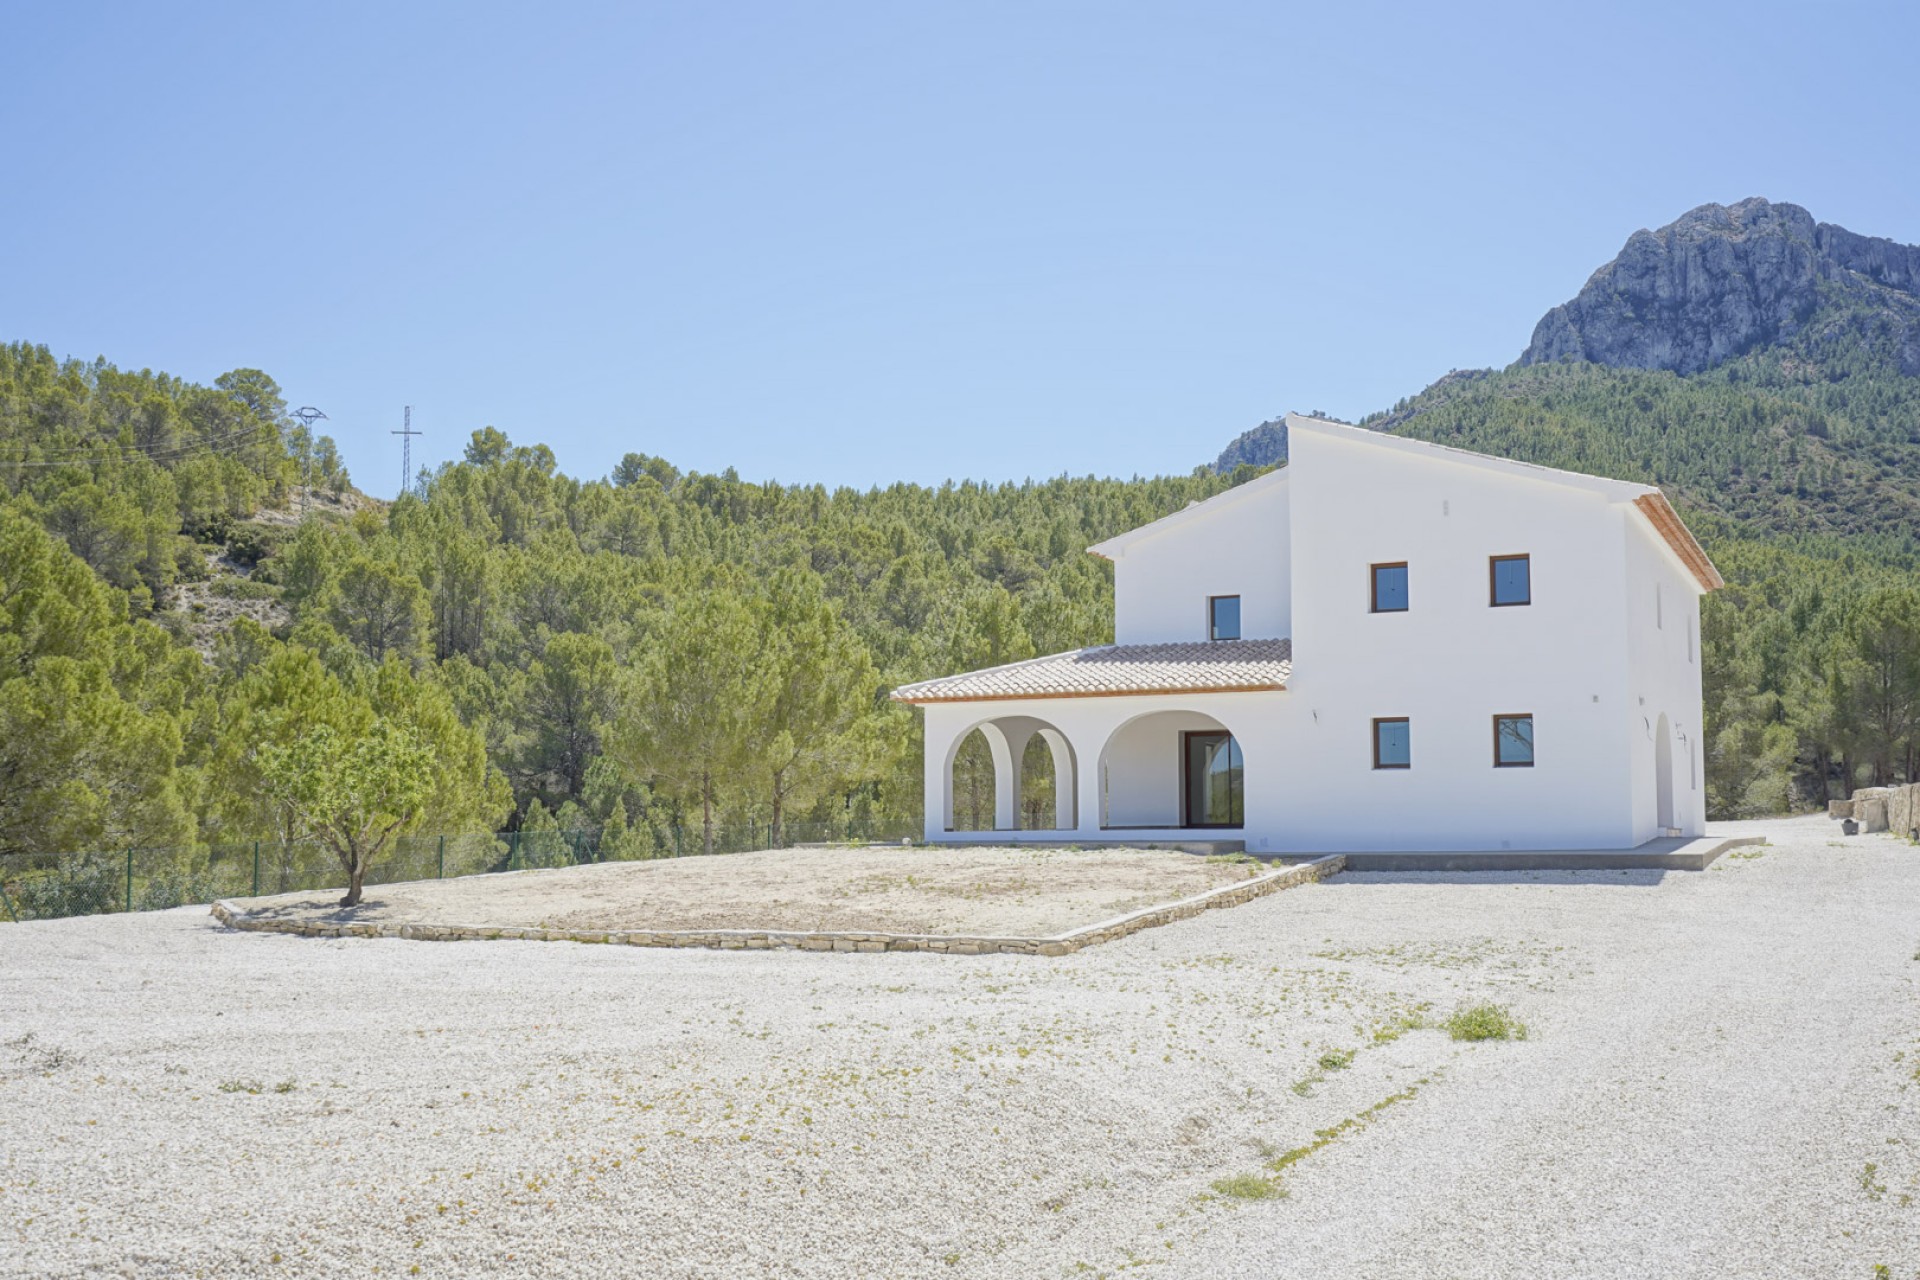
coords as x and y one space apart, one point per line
356 874
706 811
777 829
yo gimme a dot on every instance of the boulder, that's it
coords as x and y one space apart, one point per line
1839 808
1873 813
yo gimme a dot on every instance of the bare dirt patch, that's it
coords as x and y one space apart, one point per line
983 891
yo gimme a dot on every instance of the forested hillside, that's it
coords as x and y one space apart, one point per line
631 653
209 637
1760 368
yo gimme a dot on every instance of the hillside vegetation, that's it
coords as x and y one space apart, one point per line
210 637
629 654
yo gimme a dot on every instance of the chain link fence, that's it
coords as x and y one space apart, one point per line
35 886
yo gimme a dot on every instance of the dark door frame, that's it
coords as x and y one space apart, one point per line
1186 782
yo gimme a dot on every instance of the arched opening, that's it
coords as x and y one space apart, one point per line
1172 769
1011 773
973 784
1036 786
1663 774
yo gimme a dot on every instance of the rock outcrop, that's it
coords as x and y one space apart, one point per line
1724 279
1264 446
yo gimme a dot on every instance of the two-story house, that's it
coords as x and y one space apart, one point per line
1385 645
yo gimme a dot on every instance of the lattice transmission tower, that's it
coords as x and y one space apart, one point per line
307 415
406 434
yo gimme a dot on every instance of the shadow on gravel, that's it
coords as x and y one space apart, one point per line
1639 877
369 909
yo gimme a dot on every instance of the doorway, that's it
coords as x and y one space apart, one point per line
1212 780
1663 774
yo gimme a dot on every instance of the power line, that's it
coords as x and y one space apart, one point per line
160 453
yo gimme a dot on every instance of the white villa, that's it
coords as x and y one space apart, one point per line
1384 645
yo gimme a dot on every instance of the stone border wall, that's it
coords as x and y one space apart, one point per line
234 917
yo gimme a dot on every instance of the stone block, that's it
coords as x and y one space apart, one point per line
1839 808
1873 813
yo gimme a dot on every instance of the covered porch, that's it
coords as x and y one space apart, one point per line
1119 744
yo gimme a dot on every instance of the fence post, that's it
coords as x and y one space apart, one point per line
129 879
256 868
443 858
513 848
9 901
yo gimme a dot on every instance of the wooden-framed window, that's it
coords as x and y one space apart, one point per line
1223 617
1513 741
1392 743
1388 593
1509 580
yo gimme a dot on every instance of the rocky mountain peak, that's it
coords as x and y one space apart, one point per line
1721 280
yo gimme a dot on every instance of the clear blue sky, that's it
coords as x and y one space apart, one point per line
860 243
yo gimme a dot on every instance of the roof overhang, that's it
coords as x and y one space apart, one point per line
1119 671
1667 523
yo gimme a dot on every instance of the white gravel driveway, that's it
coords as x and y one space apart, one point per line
1720 1081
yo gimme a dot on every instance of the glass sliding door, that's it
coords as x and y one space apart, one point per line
1211 772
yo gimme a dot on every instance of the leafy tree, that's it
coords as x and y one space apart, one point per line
354 794
570 693
89 708
379 607
819 728
689 713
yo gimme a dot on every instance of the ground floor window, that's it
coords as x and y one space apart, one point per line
1214 780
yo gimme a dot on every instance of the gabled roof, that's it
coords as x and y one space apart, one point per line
1112 547
1647 500
1617 490
1114 670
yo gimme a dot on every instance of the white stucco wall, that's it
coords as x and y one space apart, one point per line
1586 659
1451 662
1662 609
1235 544
1143 765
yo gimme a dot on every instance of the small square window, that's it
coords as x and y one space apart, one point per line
1392 743
1513 742
1390 588
1512 580
1223 617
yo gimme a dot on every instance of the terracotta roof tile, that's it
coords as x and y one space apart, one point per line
1201 666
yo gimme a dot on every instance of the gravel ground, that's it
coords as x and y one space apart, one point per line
1719 1081
879 888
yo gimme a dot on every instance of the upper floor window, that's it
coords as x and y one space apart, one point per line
1392 743
1513 742
1390 588
1223 617
1512 582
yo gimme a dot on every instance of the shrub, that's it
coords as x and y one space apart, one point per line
1249 1186
1485 1022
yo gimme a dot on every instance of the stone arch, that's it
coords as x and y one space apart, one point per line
1143 773
1007 738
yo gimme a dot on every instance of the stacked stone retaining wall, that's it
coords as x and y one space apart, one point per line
235 916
